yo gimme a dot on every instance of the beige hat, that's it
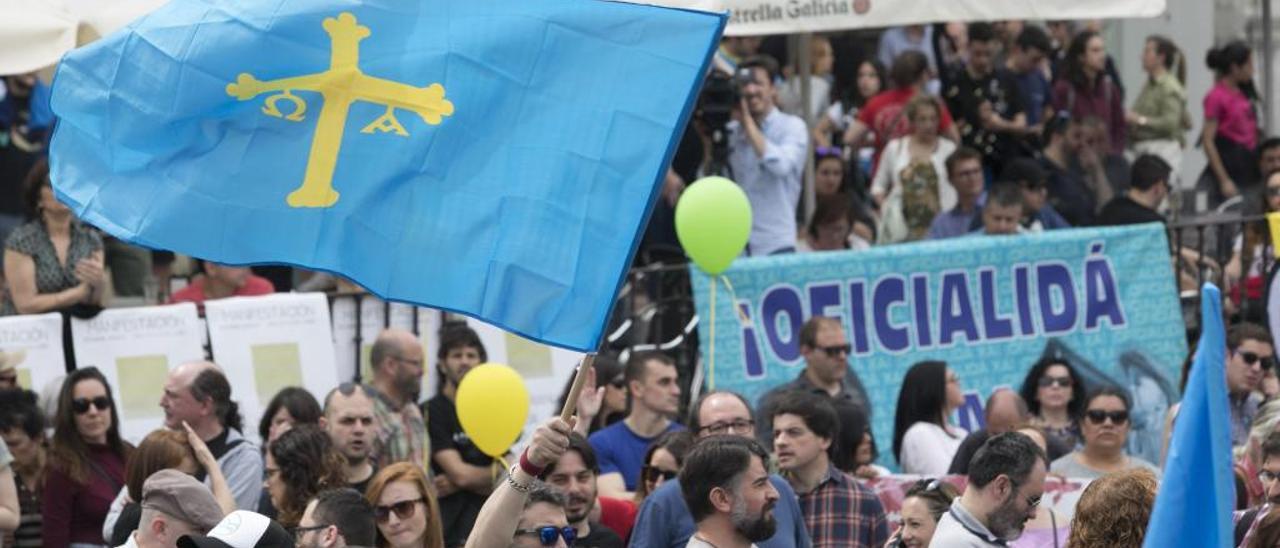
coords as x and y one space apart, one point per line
9 359
182 497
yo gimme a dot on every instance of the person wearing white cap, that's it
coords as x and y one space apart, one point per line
241 529
173 504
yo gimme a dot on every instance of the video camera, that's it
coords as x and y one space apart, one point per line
721 95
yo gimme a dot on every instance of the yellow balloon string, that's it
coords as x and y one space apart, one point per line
711 367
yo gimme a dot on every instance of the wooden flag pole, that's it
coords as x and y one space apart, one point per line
579 379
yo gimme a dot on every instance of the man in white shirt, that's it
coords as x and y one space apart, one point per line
726 485
1006 481
767 149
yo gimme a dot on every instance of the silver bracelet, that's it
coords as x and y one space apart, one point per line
511 475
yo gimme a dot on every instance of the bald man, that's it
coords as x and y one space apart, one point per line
396 363
199 395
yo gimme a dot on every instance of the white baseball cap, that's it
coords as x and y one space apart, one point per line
241 529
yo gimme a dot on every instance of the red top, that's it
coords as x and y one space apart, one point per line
194 293
885 114
619 515
74 512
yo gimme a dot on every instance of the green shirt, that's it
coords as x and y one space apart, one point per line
1163 102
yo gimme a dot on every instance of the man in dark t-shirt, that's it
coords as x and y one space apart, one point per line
463 473
986 101
1147 189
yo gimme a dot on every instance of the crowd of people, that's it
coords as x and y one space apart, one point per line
363 466
948 131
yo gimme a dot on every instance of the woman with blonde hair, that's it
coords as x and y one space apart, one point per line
406 511
1114 510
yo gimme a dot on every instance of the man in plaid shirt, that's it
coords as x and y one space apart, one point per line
838 511
396 361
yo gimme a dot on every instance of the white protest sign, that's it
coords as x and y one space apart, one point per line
546 370
34 345
271 342
135 348
373 318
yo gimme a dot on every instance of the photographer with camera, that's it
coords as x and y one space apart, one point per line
767 150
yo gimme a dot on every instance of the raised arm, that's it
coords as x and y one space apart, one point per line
496 524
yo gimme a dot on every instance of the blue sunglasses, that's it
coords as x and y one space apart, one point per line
547 534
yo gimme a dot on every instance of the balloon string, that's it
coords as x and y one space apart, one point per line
711 367
733 297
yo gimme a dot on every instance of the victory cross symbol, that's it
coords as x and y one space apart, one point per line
340 86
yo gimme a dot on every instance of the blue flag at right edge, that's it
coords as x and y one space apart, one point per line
1196 497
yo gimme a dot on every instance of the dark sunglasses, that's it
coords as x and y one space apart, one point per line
652 473
1273 191
81 405
403 509
836 350
1047 381
1251 358
1098 416
547 534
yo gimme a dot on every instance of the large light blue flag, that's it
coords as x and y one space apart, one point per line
1196 498
492 157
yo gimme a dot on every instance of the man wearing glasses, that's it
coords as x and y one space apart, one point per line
825 349
1006 480
335 519
1252 357
396 362
1268 477
665 520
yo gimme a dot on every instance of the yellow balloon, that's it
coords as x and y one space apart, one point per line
493 404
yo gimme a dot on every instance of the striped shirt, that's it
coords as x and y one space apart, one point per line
842 512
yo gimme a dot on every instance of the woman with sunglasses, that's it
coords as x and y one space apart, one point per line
924 440
301 463
604 405
662 462
406 512
86 462
922 507
1104 426
1055 397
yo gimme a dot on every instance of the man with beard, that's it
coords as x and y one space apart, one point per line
665 519
396 361
726 485
335 519
574 475
838 510
1006 480
348 419
1247 521
463 475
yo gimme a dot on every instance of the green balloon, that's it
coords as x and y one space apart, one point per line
713 222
